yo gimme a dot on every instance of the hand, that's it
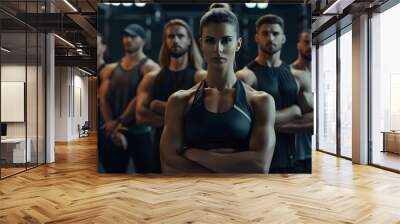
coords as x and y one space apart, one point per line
110 127
119 140
158 107
297 110
120 128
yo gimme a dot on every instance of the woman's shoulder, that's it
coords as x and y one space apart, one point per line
255 97
183 96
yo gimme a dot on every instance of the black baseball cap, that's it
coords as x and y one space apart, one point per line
134 30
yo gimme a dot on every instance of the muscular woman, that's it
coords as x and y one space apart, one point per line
221 124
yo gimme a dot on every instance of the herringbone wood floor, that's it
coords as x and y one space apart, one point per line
71 191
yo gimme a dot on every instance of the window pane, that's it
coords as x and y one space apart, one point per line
385 88
314 84
327 96
31 100
346 94
15 150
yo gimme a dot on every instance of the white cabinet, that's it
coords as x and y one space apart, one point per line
16 147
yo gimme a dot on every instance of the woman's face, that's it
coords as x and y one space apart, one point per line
219 43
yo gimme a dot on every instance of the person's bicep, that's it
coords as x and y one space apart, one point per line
150 67
305 101
103 88
144 91
309 96
263 134
172 135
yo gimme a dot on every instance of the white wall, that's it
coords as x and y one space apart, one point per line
12 73
34 124
61 103
71 93
16 73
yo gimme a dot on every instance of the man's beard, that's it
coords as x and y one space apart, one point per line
131 50
178 53
271 51
306 56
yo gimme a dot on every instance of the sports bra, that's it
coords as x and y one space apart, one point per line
207 130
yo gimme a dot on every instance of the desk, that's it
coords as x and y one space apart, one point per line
391 141
13 150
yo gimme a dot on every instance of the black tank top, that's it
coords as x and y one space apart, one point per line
267 80
281 84
123 87
167 82
207 130
277 81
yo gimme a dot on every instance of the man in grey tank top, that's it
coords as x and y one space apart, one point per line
126 146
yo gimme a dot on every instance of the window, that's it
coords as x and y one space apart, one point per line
385 84
327 96
346 74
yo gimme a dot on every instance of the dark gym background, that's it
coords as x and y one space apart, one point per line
112 19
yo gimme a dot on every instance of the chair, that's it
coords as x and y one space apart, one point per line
84 130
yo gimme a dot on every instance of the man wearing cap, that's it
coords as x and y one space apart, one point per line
181 68
128 145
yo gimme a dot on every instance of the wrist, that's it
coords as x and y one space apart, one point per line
151 105
121 121
181 151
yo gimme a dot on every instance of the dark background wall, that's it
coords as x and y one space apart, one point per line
112 19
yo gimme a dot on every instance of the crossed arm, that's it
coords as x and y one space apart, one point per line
172 138
283 116
144 112
305 102
256 159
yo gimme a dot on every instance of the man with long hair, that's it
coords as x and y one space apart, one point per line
181 68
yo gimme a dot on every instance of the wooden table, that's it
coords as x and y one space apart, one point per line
391 141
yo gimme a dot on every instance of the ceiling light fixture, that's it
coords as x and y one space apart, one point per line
70 5
5 50
140 4
250 5
330 8
127 4
65 41
84 71
262 5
